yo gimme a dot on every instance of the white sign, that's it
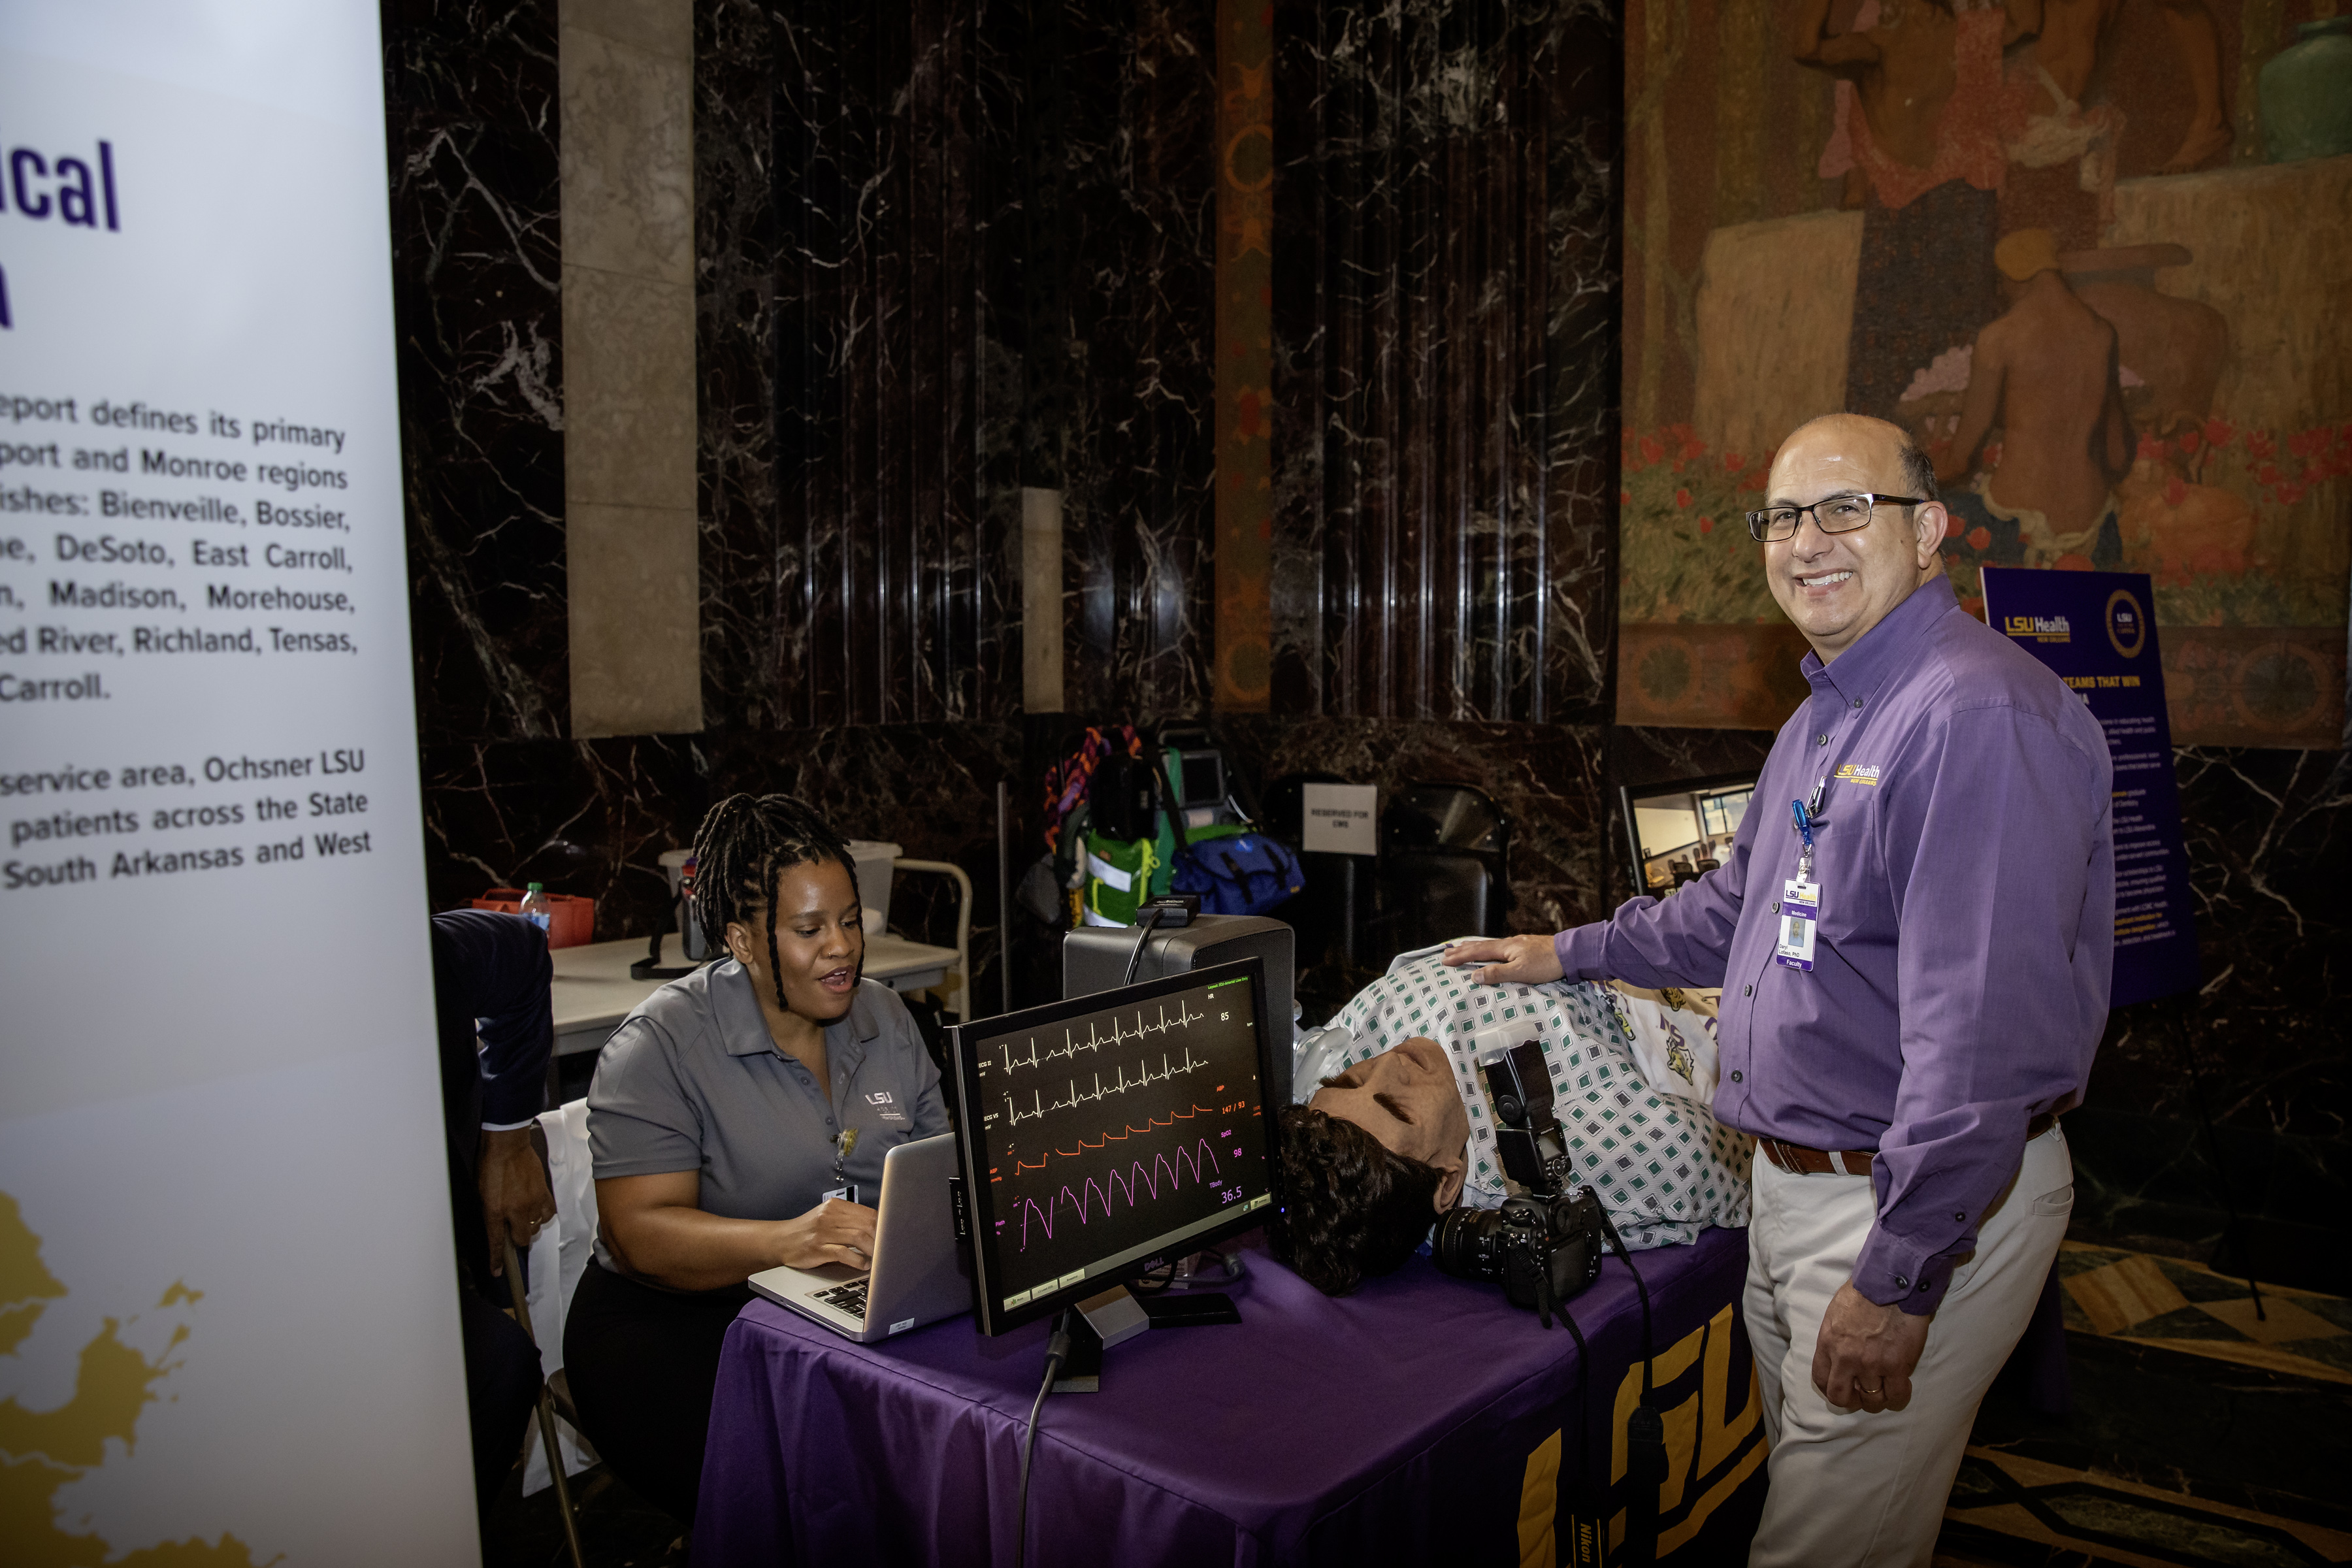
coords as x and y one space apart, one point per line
223 1211
1341 819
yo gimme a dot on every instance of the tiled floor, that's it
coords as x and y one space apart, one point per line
2188 1308
2200 1434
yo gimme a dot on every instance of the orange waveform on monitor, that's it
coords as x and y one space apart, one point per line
1020 1164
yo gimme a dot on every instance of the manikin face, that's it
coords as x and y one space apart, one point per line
1836 586
1405 1097
820 941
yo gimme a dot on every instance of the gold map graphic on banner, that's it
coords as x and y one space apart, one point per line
42 1451
2041 236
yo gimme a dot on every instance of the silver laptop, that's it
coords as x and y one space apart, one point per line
915 1279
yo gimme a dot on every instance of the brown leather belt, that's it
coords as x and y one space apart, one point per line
1800 1161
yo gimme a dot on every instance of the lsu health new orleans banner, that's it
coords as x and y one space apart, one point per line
229 1327
2097 631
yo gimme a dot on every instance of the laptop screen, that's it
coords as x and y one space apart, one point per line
1106 1131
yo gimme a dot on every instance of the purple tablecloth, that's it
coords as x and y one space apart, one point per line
1420 1420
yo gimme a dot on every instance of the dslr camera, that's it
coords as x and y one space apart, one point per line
1544 1244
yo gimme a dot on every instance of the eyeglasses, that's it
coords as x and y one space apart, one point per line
1836 514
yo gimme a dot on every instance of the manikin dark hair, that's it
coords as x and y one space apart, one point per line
743 846
1351 1208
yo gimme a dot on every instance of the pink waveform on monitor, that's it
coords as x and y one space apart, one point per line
1098 1190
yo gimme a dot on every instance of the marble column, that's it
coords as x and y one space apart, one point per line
633 585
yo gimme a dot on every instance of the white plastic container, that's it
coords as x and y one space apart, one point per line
873 862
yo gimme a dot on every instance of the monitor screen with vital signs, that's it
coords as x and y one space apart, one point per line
1108 1130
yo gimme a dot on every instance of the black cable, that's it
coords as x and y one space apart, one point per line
1609 1231
1057 1351
1646 1430
1145 918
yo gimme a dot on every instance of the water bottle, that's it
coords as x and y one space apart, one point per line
535 906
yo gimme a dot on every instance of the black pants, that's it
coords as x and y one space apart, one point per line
643 1364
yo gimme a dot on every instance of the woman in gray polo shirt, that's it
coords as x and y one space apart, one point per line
724 1112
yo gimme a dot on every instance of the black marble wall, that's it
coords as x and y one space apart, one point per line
851 574
1444 310
1120 160
471 112
855 641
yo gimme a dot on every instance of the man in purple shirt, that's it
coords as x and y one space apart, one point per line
1905 1009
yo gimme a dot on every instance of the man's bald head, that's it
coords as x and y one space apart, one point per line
1836 586
1882 445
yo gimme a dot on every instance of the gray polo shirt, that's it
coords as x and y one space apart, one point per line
691 1081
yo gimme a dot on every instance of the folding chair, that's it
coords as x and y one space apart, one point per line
558 1255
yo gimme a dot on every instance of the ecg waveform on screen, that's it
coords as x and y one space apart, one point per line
1121 1035
1038 1106
1092 1199
1127 1132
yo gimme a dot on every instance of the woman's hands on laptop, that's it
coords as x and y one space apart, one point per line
833 1232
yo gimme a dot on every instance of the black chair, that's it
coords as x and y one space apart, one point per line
1445 853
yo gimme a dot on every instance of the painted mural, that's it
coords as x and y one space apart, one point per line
2043 235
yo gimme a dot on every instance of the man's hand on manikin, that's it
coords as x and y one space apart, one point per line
1866 1352
1506 959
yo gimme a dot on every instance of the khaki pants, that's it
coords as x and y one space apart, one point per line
1850 1488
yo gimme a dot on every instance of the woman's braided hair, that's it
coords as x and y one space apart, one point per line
743 844
1350 1207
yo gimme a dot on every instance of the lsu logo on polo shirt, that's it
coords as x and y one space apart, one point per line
1858 772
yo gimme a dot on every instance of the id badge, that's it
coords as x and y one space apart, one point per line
1800 911
847 1193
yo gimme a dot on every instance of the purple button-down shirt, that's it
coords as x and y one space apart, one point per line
1965 865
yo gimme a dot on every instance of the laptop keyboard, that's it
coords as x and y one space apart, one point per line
849 1299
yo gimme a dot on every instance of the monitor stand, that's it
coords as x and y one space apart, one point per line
1115 1315
1082 1368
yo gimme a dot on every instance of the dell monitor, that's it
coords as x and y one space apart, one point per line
1106 1132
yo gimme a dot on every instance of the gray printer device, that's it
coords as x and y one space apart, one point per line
1096 958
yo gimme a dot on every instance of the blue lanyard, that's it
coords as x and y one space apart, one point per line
1804 824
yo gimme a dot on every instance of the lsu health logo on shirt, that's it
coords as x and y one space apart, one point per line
885 1107
2037 628
1858 772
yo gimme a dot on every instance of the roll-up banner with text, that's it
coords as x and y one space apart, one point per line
2096 632
228 1306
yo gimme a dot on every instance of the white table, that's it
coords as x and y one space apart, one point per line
594 992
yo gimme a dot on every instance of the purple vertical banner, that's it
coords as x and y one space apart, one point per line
2097 631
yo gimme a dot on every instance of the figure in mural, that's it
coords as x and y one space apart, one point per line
1932 139
2054 76
2066 50
2047 373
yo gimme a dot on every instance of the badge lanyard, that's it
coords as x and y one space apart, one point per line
1800 895
842 1146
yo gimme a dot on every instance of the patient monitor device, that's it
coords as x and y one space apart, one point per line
1097 957
1105 1134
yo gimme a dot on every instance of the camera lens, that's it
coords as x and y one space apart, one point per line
1468 1244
